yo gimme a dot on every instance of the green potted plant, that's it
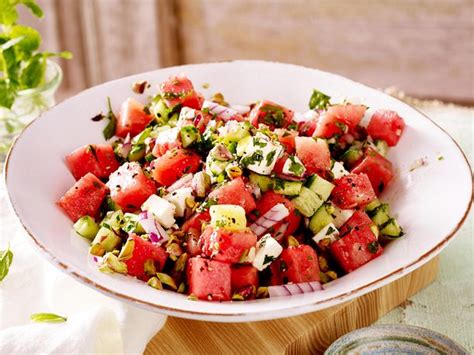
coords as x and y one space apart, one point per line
28 78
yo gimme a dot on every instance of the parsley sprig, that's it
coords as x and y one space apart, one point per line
22 66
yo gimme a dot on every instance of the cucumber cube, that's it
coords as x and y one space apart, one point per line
291 188
321 187
264 182
392 229
231 217
381 215
86 227
321 218
307 202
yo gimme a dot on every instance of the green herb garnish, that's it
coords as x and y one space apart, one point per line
21 65
318 100
6 259
47 318
109 130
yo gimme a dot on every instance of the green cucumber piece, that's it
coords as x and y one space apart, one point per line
392 229
373 205
189 135
242 145
86 227
321 218
160 111
307 202
381 215
381 146
352 155
320 186
284 187
140 138
264 182
137 152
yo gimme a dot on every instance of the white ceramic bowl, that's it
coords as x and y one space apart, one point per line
431 202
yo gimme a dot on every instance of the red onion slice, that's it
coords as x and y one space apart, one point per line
153 228
223 112
269 219
294 289
185 181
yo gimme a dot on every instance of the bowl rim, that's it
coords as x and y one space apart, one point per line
242 316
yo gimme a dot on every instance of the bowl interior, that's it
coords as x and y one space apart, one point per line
430 201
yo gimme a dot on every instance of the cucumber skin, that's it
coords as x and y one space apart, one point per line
86 227
320 219
307 202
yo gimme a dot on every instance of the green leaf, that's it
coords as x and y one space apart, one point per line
34 72
318 100
30 42
10 43
8 13
109 130
34 7
47 318
6 259
7 94
63 54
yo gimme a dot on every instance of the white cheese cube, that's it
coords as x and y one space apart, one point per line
330 231
338 170
186 116
268 249
341 216
364 122
160 208
261 155
293 166
178 199
167 136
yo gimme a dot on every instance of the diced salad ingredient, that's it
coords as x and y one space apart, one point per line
233 203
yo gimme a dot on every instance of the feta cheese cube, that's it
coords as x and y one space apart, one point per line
178 199
162 209
268 249
169 135
338 170
186 116
330 231
293 166
261 155
341 216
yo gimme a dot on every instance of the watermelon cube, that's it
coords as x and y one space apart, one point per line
224 245
353 190
145 250
234 193
243 276
386 125
84 198
98 159
355 248
378 169
179 90
271 114
299 264
132 118
209 279
129 187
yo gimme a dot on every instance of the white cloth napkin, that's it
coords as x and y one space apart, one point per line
96 324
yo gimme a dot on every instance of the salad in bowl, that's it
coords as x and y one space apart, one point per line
225 202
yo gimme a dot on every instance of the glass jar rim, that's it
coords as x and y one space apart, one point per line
53 81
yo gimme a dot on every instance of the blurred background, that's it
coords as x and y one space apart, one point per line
423 47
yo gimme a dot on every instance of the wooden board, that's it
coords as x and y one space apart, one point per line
307 334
